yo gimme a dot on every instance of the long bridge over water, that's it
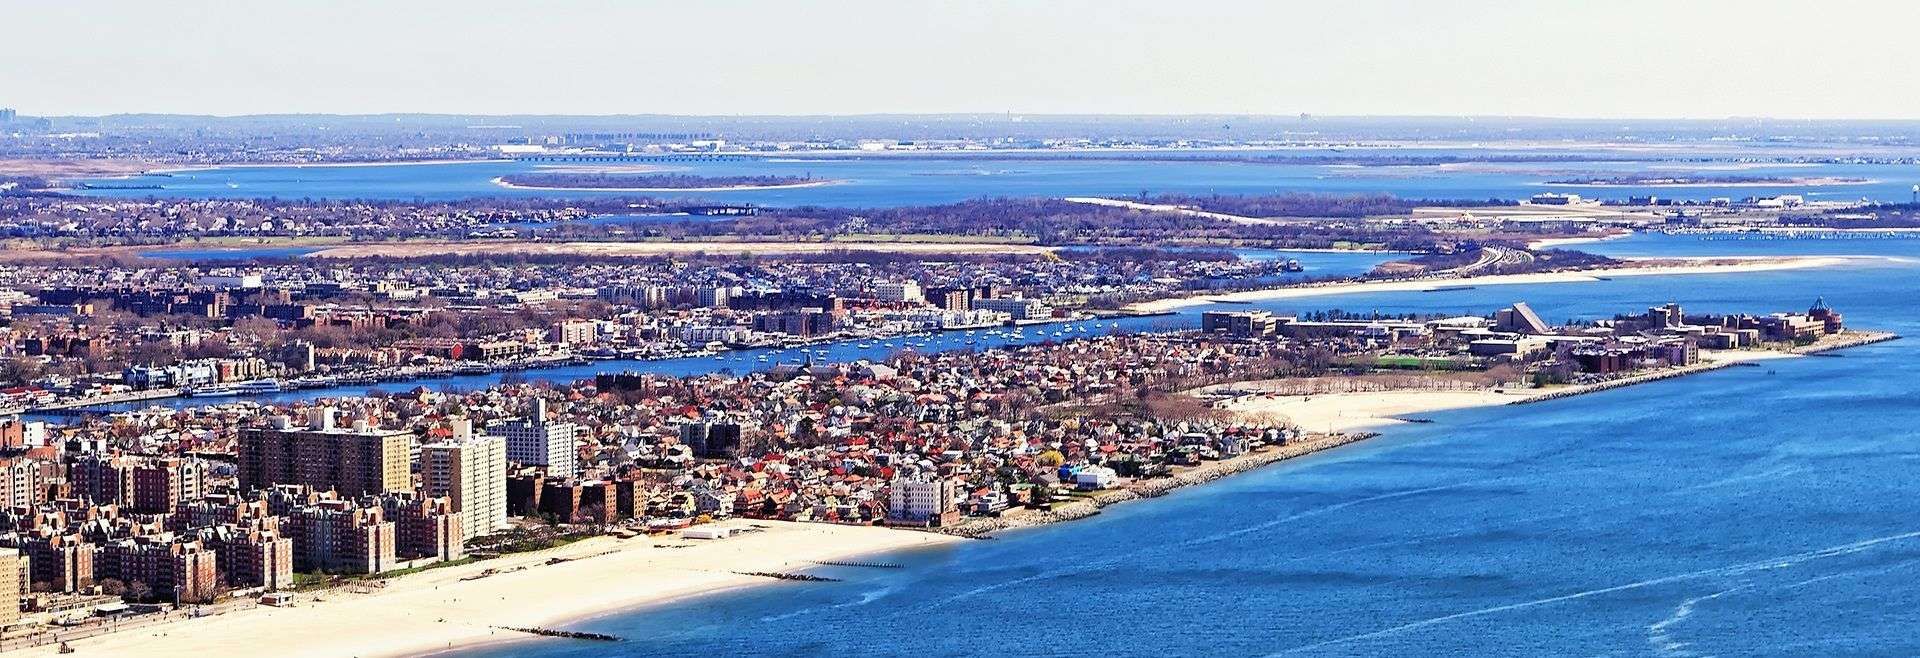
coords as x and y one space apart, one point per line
637 157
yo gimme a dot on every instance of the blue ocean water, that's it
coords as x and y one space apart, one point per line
877 181
1747 511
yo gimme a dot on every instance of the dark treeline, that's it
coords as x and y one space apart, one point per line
1047 222
21 185
616 181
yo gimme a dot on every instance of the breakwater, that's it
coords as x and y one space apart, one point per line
779 575
1154 488
574 635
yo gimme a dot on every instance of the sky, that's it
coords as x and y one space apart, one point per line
1833 59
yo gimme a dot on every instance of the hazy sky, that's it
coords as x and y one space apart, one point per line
1599 58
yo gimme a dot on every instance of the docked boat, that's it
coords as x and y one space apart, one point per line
210 391
259 386
322 381
472 368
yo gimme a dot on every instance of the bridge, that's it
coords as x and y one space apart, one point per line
637 157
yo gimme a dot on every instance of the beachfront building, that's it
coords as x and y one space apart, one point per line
354 460
251 556
422 527
337 536
532 441
60 562
923 500
13 573
180 569
471 472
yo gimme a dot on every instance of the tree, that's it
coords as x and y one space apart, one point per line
112 587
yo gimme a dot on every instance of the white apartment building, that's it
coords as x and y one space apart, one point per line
472 472
904 291
922 500
533 441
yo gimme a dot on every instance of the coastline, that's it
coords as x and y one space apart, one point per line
502 182
1728 265
1154 488
436 610
1373 409
459 607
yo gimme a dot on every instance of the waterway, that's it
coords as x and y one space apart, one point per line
1746 511
897 180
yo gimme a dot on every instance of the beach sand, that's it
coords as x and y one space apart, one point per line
435 610
1669 266
1347 412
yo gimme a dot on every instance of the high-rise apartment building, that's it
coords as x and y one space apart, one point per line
470 471
354 461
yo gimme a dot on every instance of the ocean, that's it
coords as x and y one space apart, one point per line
1746 511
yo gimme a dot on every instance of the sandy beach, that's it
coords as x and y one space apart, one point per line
418 249
435 610
1680 266
1351 411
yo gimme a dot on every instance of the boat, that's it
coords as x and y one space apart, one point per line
1292 266
259 386
472 368
210 391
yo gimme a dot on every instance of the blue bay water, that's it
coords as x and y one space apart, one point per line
878 181
1748 511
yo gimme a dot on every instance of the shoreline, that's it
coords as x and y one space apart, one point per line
1354 410
436 610
980 527
502 182
577 590
1701 266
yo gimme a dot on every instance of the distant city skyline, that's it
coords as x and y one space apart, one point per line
1629 59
